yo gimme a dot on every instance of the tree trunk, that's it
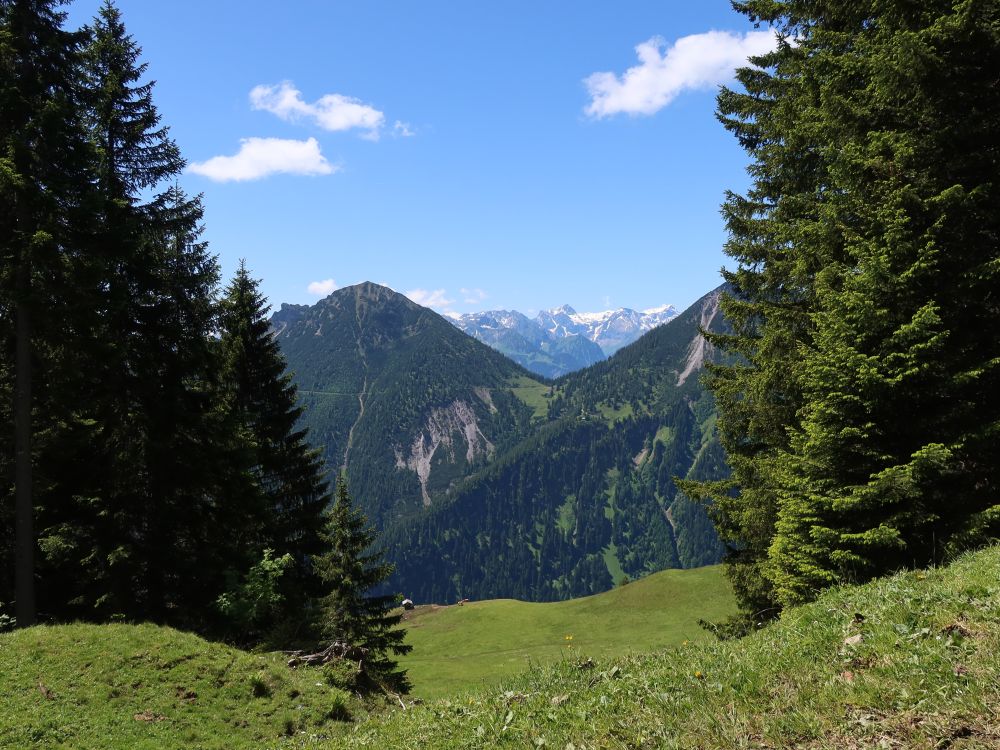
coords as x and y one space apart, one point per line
25 512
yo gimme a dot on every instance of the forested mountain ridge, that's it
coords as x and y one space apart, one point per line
589 497
398 397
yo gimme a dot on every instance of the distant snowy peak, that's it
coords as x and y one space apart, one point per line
609 329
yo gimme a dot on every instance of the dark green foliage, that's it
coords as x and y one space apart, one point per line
349 569
275 494
371 365
44 190
164 463
860 419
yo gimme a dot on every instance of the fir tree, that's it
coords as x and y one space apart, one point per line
281 493
44 184
891 464
161 437
350 569
860 415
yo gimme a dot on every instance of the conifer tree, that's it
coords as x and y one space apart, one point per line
768 300
44 183
859 418
281 493
160 435
349 570
891 464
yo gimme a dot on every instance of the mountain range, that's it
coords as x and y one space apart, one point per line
487 480
561 340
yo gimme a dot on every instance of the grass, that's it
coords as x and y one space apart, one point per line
566 517
145 686
611 415
457 649
923 675
532 394
904 662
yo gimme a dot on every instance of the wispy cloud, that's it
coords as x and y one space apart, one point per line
261 157
322 288
437 298
473 296
403 130
697 61
333 112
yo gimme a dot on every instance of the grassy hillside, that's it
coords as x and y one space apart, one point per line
458 648
905 662
142 686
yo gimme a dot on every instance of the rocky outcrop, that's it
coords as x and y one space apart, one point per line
445 429
700 348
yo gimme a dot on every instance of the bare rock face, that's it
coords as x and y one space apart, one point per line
446 429
700 348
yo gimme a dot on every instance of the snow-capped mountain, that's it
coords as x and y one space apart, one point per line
528 344
609 329
561 340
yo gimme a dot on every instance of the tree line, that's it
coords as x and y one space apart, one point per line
155 470
861 415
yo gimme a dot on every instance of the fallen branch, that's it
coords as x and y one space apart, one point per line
336 650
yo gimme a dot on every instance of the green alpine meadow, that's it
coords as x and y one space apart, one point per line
298 453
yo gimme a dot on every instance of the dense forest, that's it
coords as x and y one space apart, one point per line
398 398
589 499
156 469
860 412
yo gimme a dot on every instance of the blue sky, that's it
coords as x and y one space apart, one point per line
528 153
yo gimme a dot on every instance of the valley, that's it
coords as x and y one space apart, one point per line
489 481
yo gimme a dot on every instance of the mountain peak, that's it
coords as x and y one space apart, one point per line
564 309
661 309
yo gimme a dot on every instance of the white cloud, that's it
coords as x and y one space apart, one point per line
322 288
333 112
429 298
402 130
698 61
260 157
473 296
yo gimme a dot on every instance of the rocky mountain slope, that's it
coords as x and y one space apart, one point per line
589 497
489 482
397 397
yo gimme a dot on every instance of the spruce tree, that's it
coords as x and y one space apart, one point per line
349 570
768 299
160 434
861 413
44 184
281 494
891 465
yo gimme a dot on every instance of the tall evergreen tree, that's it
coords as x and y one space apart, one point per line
892 465
44 181
860 416
769 298
280 493
349 570
154 365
